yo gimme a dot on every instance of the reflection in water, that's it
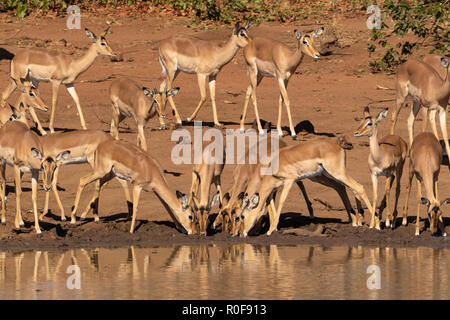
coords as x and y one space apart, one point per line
221 271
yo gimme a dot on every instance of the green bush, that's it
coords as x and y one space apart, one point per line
426 20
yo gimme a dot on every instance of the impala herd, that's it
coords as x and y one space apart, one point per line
253 193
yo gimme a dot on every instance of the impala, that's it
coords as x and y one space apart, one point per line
56 68
81 144
425 161
386 158
201 57
26 156
270 58
307 160
130 100
204 174
130 163
428 88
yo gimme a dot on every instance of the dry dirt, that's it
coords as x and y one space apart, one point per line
330 93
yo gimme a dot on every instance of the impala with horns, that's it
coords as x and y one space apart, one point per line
421 81
82 145
204 174
130 163
425 161
270 58
26 156
201 57
130 100
28 100
56 68
386 158
311 159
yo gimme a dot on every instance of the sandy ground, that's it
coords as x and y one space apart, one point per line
330 93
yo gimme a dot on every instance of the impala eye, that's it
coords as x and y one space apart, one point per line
103 44
305 41
32 94
243 35
369 124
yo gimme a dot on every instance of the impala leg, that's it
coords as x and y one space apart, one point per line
374 199
114 131
17 181
432 114
83 182
93 203
399 104
387 193
425 119
274 223
126 191
282 84
255 81
212 92
171 75
412 117
7 92
201 78
244 112
398 178
136 194
55 88
141 137
419 196
36 120
194 186
305 195
73 93
3 191
34 179
55 192
280 115
443 122
408 191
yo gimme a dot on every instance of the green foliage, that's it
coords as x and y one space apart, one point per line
427 22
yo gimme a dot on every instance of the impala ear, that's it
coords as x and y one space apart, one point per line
148 92
244 201
36 153
297 34
381 115
215 200
237 27
366 112
194 202
63 155
247 25
317 32
253 202
444 62
184 200
446 201
425 201
91 35
172 92
105 32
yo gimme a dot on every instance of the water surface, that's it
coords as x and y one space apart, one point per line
240 271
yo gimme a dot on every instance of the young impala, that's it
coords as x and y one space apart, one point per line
428 88
201 57
270 58
386 158
425 163
131 100
56 68
130 163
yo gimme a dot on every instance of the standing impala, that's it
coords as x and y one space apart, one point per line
387 157
26 156
130 100
201 57
307 160
424 84
56 68
425 163
130 163
270 58
81 144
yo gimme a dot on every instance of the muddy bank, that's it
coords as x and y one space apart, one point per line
293 229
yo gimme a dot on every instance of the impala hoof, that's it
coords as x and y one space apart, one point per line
82 218
38 231
63 219
294 137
